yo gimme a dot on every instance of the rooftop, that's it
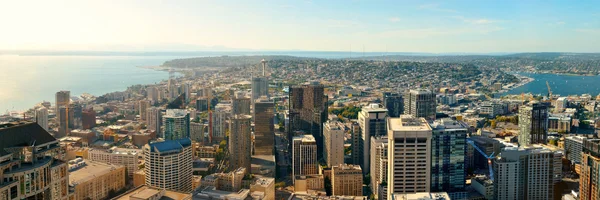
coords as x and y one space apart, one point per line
407 123
264 181
170 145
374 108
422 196
447 123
176 113
145 192
89 171
305 138
22 134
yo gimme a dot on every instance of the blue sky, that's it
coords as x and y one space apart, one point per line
395 26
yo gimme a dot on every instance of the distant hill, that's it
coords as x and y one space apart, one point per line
227 61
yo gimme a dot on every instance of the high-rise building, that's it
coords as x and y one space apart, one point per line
409 160
304 156
308 111
30 159
154 119
177 124
589 180
372 121
526 173
420 103
63 98
240 106
356 154
41 117
265 186
379 162
143 107
334 144
152 94
65 121
202 104
217 126
574 148
168 164
264 128
346 180
197 132
448 148
260 87
88 119
533 124
394 103
240 144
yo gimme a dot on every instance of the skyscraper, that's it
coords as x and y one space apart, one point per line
346 180
240 106
526 173
334 144
202 104
260 87
409 160
143 106
152 94
356 154
168 164
589 180
240 143
63 98
420 103
264 130
41 117
372 123
448 148
308 111
197 132
379 164
394 103
533 124
177 124
154 119
30 160
88 119
304 156
217 125
65 121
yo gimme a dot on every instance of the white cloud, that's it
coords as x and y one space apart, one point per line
394 19
436 7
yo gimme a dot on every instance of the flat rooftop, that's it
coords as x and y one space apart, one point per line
145 192
90 171
408 123
422 196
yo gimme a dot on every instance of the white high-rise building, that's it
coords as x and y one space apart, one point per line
574 147
154 119
168 165
371 120
379 164
409 150
526 173
143 108
304 156
334 143
41 117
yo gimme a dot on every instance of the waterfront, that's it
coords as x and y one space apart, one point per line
560 84
28 80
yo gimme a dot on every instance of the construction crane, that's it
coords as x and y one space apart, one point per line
549 90
489 158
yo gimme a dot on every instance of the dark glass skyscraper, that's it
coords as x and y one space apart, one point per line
448 149
394 104
308 111
533 124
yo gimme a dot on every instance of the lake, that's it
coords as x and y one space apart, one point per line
560 84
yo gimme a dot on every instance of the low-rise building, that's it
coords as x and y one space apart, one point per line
263 188
151 193
95 180
346 180
118 156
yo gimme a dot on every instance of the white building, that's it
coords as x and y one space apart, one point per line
117 156
176 124
334 143
41 117
379 162
371 120
560 104
409 150
304 156
168 164
573 148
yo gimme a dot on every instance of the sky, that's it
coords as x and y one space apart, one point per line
265 25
